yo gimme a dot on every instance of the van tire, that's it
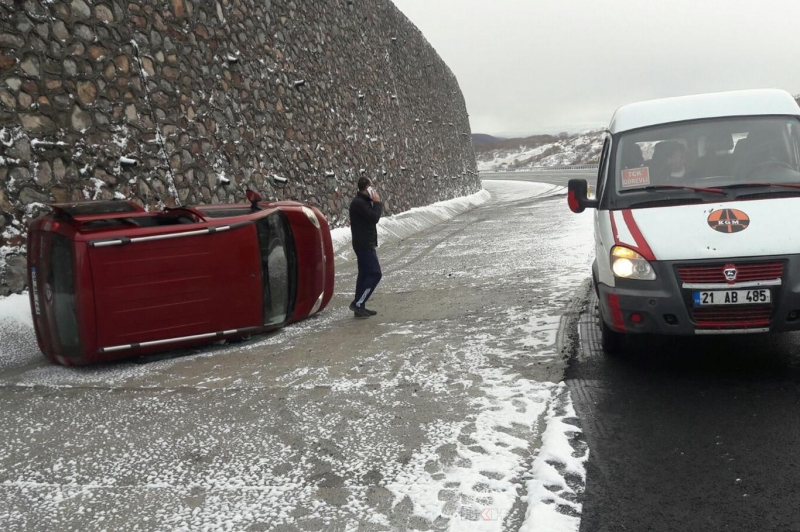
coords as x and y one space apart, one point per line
611 341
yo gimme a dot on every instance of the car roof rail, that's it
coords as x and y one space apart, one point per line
88 209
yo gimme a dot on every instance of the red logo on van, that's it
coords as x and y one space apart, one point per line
728 221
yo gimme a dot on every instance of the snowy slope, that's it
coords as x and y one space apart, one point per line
583 148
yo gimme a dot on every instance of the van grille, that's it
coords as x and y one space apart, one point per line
745 317
714 273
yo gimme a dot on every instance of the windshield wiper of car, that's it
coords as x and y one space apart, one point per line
653 188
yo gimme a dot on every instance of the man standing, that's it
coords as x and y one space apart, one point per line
365 211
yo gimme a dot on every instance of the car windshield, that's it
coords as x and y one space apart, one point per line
277 267
709 154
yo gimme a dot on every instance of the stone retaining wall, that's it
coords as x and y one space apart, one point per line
173 102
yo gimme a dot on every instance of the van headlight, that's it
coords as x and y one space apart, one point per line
627 264
311 216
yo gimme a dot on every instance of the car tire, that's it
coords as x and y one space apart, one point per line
611 341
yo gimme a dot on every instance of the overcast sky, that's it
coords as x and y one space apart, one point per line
544 66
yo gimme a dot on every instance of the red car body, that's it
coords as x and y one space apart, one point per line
109 280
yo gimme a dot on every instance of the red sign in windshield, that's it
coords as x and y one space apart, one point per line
635 177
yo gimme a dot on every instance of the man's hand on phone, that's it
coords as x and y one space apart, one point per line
375 196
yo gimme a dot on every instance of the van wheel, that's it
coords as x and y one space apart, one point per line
611 341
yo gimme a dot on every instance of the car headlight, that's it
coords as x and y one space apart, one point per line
311 216
317 304
627 264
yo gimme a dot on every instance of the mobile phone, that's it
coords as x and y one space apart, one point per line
371 191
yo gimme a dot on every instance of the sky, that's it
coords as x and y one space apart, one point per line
546 66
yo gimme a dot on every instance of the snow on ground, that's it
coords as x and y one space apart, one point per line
471 472
399 226
500 159
17 339
558 473
480 484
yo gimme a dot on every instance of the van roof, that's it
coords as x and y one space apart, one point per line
697 107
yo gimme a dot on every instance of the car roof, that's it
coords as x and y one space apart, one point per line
713 105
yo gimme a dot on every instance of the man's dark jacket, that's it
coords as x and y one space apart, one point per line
364 216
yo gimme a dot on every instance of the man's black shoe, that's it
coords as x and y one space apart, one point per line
371 312
361 313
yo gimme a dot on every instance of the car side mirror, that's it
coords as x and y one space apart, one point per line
253 197
578 196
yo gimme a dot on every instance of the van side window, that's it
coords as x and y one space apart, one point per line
794 134
601 169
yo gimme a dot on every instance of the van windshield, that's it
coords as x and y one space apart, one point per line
709 154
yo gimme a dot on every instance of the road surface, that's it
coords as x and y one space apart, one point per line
428 416
690 434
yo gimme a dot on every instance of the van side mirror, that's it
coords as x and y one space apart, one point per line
578 196
253 197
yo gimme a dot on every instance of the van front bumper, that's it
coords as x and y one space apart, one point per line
665 306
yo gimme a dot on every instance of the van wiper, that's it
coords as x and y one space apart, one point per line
666 202
743 185
653 188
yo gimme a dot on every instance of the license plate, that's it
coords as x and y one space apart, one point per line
732 297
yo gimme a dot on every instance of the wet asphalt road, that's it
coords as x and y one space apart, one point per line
693 434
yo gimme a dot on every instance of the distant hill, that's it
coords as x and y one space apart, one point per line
483 143
479 139
538 151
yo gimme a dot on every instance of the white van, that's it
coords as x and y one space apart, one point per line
697 199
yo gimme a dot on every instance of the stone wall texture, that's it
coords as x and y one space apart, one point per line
175 102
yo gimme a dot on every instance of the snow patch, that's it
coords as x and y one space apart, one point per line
17 339
584 148
559 472
399 226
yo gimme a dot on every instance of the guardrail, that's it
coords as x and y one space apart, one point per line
544 168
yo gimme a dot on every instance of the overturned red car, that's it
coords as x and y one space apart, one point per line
110 280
